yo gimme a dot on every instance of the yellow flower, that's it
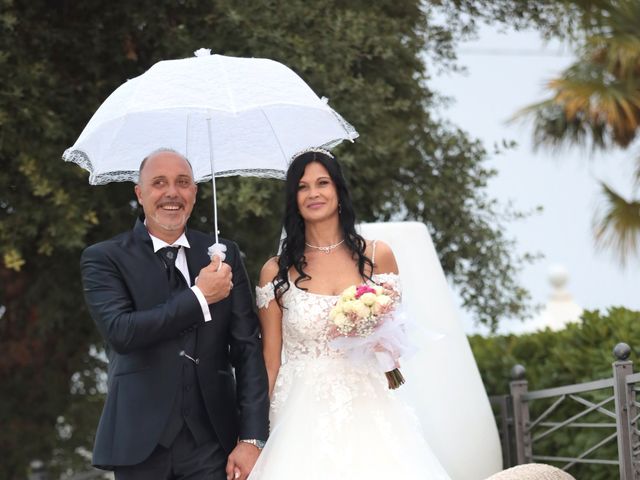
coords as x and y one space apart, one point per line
13 260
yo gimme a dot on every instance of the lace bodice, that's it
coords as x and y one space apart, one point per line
305 319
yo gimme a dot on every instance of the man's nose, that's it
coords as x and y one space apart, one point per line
172 190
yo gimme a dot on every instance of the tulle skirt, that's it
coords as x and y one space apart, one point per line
331 420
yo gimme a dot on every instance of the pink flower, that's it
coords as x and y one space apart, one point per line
362 289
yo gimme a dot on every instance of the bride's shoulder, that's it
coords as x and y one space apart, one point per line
269 271
384 261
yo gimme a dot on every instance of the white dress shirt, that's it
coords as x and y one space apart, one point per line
181 264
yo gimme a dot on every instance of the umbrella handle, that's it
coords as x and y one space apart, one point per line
217 250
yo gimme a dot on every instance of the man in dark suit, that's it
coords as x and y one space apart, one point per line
187 387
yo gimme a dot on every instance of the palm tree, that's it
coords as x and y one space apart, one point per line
596 102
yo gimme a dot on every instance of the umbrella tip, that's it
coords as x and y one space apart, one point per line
202 52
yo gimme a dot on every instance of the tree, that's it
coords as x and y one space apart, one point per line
596 102
60 59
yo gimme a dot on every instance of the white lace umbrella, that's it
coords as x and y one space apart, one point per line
227 115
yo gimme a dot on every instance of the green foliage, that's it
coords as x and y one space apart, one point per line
582 352
60 59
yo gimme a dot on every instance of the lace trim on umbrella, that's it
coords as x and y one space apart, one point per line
352 133
245 172
82 159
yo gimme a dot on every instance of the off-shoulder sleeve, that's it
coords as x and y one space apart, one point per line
264 295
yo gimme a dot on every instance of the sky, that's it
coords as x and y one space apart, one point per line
505 72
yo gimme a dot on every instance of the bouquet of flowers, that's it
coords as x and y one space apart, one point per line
366 323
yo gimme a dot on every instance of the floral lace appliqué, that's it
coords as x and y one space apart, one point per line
264 295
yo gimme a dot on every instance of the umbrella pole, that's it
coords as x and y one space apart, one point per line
213 179
217 249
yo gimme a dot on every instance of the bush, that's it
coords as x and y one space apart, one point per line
581 352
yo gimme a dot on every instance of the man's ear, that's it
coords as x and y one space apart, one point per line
138 193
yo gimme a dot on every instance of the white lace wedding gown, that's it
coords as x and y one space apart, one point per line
331 419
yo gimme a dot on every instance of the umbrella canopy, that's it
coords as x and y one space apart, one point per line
250 115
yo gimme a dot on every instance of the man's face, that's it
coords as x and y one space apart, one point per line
167 193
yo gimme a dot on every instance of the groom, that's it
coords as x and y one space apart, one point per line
187 387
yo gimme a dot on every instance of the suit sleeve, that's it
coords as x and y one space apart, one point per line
112 308
246 357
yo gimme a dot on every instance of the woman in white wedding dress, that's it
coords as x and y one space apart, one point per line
330 417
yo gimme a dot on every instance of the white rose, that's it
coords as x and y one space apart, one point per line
376 308
383 300
340 320
361 310
368 298
349 306
349 293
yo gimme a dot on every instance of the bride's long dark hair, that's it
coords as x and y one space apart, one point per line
292 251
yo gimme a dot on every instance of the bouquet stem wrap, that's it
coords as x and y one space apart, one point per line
395 378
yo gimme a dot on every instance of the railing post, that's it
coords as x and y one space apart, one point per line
503 404
505 436
625 412
519 387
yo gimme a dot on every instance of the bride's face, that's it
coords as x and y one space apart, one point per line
317 195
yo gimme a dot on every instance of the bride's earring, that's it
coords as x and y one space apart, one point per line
339 208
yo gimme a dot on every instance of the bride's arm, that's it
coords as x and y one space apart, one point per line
271 323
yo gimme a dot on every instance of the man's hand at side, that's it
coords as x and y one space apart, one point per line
241 461
214 281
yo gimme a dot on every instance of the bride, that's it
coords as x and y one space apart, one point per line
330 417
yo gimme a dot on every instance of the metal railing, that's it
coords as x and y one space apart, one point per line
614 410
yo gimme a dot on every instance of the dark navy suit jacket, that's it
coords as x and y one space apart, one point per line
126 289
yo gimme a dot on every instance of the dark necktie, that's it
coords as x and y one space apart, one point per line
176 280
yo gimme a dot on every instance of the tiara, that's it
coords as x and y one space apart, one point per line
313 149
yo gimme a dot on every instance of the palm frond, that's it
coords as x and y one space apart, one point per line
599 98
619 55
617 225
553 129
595 107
